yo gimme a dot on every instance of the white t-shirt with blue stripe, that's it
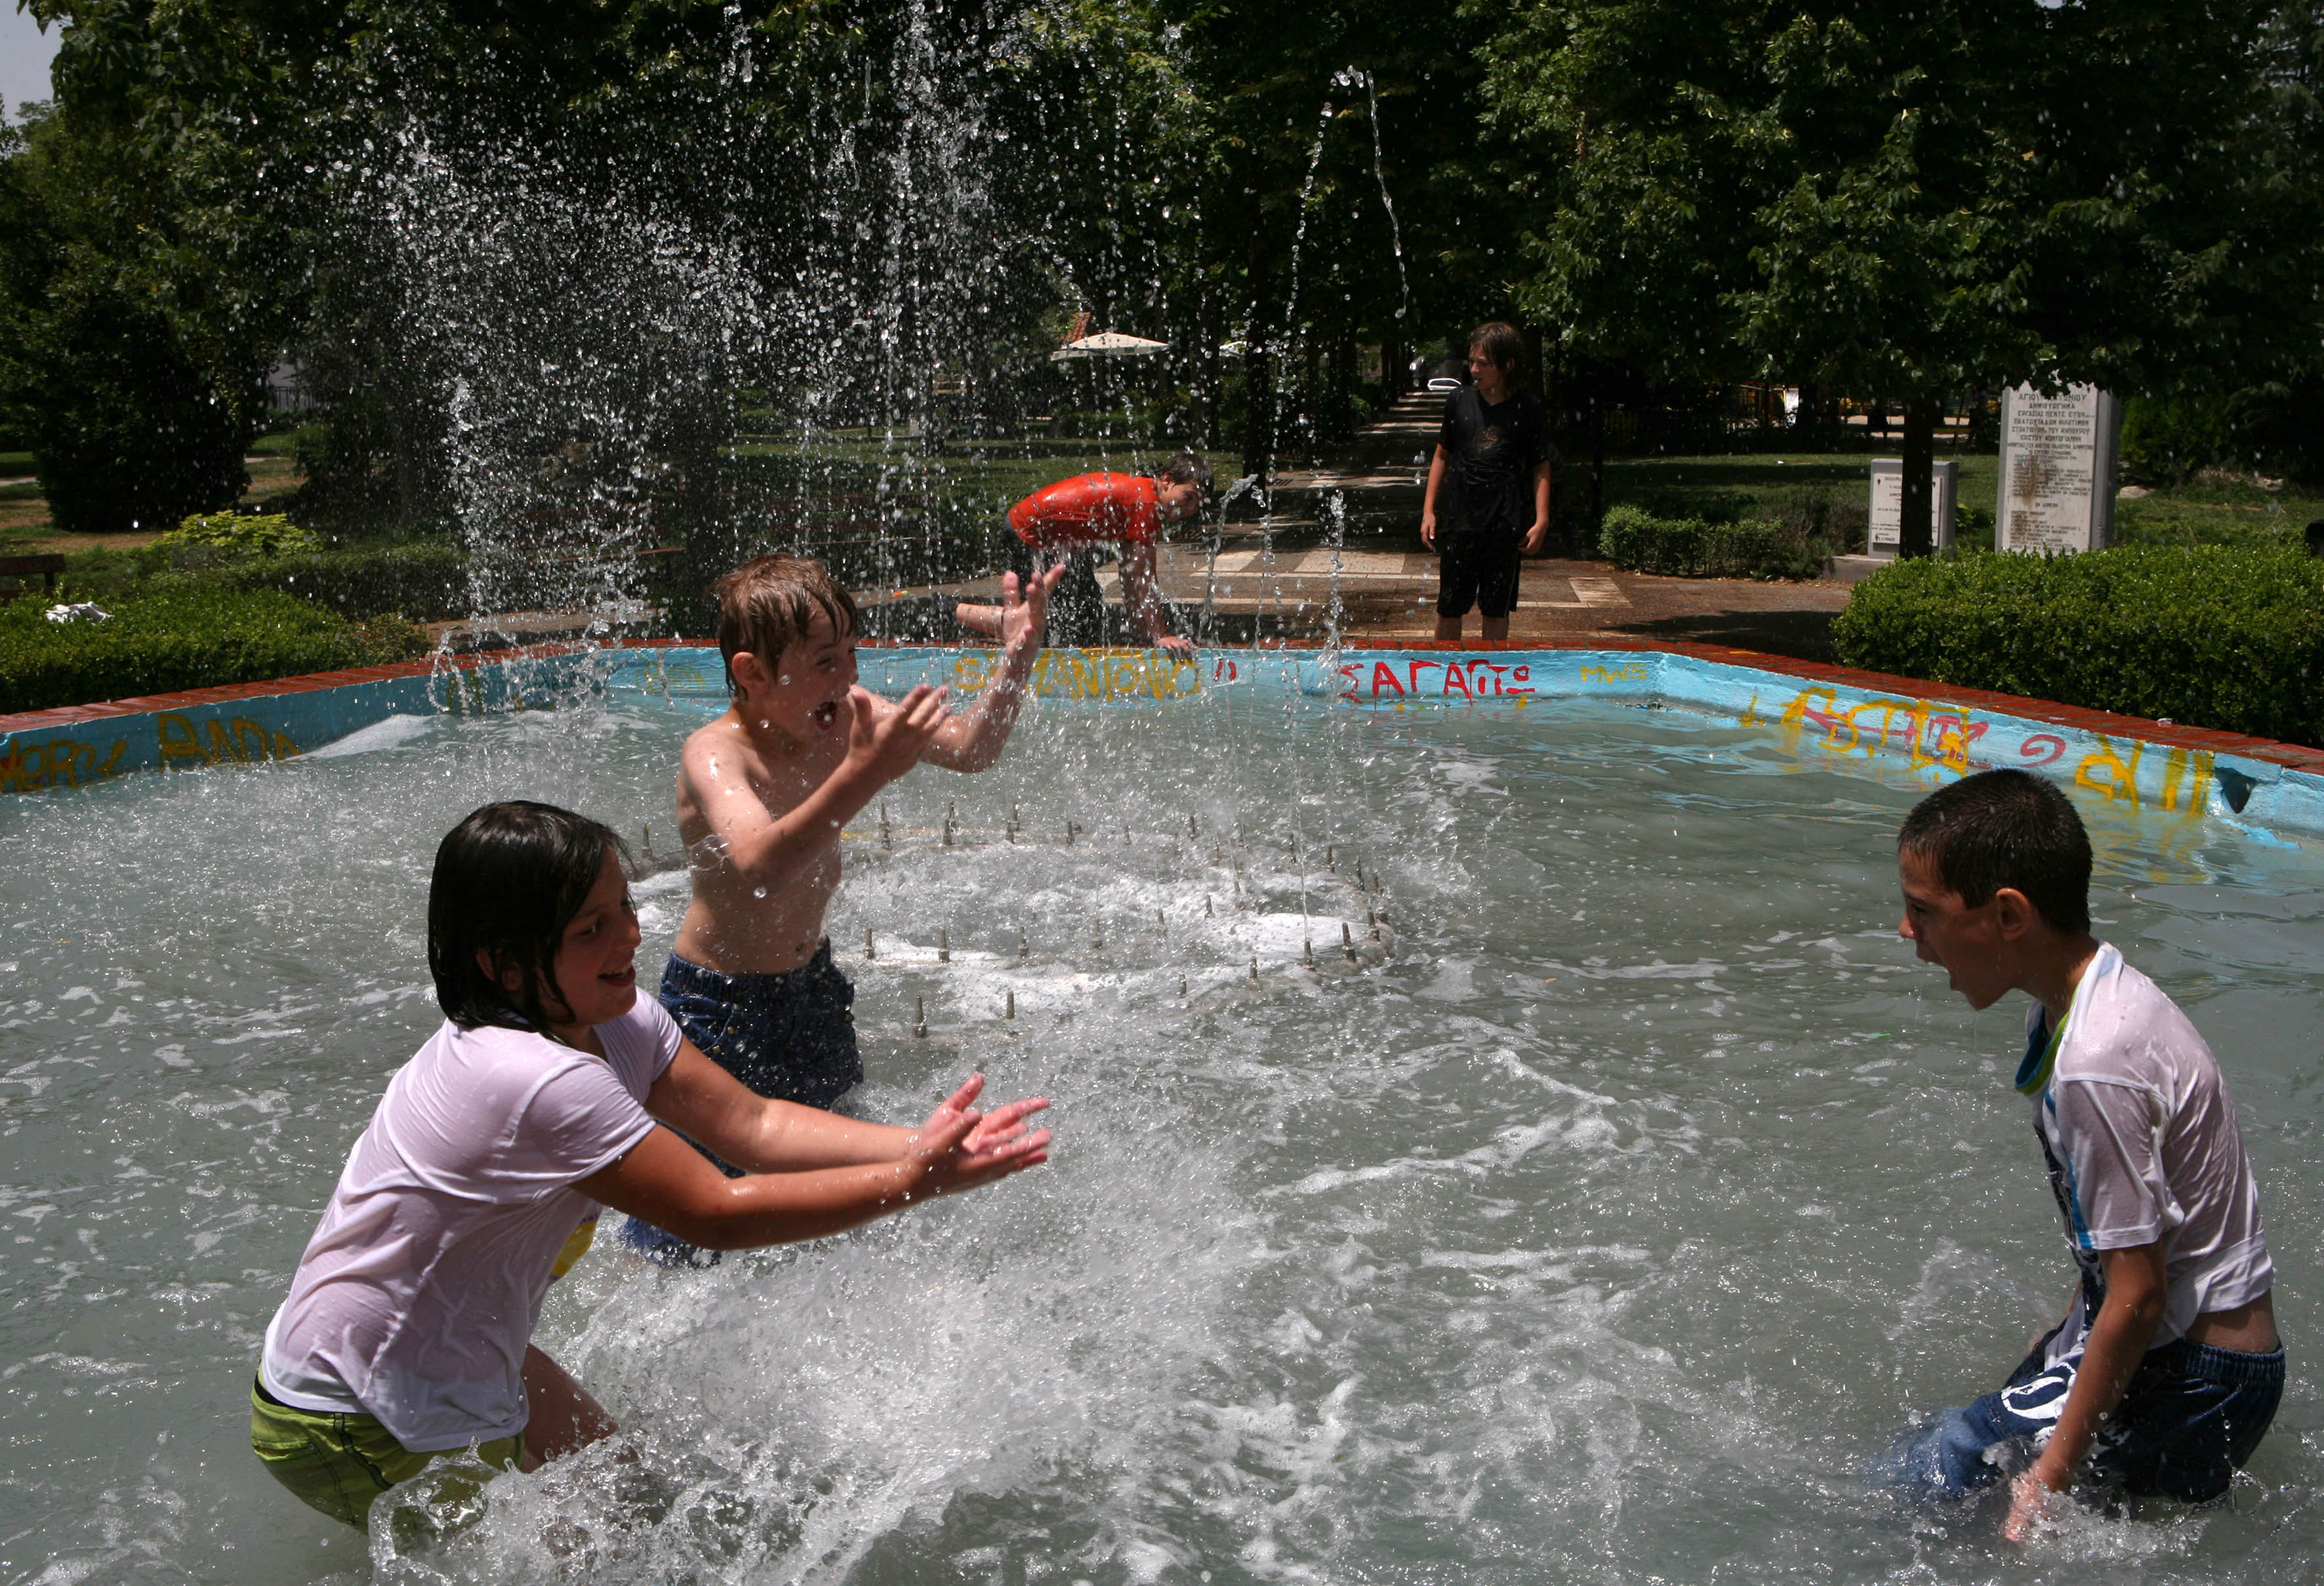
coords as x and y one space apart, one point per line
2141 1144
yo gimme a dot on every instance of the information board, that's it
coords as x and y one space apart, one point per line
1887 532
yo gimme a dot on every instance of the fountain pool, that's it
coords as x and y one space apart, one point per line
1633 1190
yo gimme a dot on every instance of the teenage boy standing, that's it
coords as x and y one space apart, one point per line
1495 446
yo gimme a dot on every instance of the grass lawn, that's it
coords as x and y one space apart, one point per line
1746 486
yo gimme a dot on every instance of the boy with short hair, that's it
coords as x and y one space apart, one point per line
2167 1368
1063 525
762 793
1494 446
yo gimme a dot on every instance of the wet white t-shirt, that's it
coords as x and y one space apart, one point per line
2141 1144
420 1288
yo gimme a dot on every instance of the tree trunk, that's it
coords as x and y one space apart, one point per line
1917 524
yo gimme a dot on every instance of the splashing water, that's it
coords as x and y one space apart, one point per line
1597 1221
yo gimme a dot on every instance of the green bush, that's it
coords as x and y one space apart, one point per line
183 636
2165 440
260 534
425 583
2210 636
1755 547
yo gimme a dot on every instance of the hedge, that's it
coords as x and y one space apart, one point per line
181 638
425 582
1755 547
2212 636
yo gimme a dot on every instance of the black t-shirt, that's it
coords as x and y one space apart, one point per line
1490 454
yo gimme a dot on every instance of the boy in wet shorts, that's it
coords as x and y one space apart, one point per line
762 793
2167 1368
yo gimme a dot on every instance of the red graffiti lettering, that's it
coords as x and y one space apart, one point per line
2052 750
1381 674
1455 677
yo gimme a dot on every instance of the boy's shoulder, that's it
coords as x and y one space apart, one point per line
720 734
2124 1029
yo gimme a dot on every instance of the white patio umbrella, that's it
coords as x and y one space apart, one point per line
1107 343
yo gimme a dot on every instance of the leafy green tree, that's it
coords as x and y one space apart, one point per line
1907 200
136 397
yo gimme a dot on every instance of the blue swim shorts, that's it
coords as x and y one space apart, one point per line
2191 1417
789 1036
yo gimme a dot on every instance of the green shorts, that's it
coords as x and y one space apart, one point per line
338 1463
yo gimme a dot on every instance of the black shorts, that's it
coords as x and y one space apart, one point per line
1078 615
1477 570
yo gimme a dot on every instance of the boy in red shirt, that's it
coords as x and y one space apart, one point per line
1070 522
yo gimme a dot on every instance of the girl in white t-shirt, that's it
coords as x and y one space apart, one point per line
552 1091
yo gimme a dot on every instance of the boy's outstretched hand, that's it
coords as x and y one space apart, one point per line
1025 613
887 741
959 1148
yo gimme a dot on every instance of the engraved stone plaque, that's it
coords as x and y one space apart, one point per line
2057 469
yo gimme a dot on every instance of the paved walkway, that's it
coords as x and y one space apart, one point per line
1281 578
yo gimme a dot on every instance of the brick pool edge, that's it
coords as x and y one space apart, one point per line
1822 712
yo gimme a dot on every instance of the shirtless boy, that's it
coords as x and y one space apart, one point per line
762 793
2167 1368
1064 526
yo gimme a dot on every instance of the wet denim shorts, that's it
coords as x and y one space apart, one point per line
789 1036
2189 1420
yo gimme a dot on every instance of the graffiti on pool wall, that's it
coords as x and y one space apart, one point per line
1098 675
29 767
239 739
1949 740
1382 681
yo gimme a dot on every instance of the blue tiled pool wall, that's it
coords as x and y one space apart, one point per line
1831 723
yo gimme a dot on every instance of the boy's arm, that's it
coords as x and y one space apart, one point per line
1141 602
1539 532
2136 1288
1428 501
973 740
885 742
667 1182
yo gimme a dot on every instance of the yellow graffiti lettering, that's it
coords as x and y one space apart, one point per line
2119 780
2195 767
1632 672
179 740
17 771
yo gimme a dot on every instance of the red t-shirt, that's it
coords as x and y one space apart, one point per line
1091 509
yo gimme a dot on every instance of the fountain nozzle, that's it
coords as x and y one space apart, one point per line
920 1018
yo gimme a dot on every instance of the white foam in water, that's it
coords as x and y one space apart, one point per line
1600 1223
391 734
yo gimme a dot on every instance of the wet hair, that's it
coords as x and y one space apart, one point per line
507 881
1504 344
1186 468
2006 828
768 603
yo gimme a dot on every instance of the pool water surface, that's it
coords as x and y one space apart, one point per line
1598 1222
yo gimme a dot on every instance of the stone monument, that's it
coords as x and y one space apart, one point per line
2058 457
1886 536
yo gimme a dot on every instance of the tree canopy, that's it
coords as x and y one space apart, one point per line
597 231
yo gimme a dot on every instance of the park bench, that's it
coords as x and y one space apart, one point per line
15 570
